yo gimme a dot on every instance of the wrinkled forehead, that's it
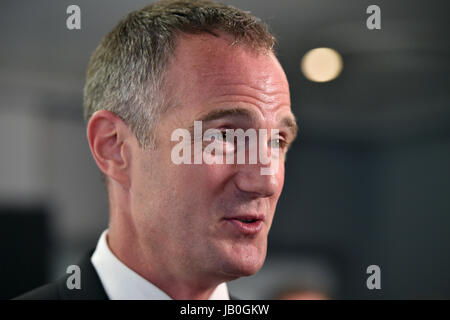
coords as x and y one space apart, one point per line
208 65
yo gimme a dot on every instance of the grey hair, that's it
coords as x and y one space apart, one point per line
126 72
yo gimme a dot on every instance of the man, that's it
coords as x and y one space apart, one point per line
181 231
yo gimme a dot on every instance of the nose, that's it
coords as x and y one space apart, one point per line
249 179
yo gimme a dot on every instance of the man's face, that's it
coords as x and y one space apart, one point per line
190 216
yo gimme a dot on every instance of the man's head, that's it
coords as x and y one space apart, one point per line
127 70
219 67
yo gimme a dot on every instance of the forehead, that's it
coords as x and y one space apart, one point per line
205 67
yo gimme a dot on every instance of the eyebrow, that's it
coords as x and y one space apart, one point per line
290 123
250 115
227 113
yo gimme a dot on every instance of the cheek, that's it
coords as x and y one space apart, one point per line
279 176
209 178
195 188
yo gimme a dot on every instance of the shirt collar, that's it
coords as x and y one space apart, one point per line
122 283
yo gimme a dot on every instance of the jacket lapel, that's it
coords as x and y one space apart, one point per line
91 286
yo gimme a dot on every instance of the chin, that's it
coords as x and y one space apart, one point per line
249 269
245 261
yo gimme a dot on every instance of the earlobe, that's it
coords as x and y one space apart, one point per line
107 136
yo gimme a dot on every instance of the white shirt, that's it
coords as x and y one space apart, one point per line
122 283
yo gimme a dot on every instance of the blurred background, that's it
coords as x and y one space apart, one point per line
367 183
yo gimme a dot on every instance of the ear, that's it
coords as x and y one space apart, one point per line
109 140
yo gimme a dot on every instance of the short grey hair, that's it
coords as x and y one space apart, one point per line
126 72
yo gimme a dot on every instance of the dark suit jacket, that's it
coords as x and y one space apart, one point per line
91 286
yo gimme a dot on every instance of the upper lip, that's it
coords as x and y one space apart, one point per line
255 216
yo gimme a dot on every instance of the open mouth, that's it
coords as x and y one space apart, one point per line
248 220
245 225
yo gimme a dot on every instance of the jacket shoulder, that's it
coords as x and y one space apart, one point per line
91 286
45 292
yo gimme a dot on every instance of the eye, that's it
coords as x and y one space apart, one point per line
223 135
220 135
278 143
222 139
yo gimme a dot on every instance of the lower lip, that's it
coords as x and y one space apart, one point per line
251 228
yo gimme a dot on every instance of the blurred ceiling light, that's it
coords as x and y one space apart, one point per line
321 64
